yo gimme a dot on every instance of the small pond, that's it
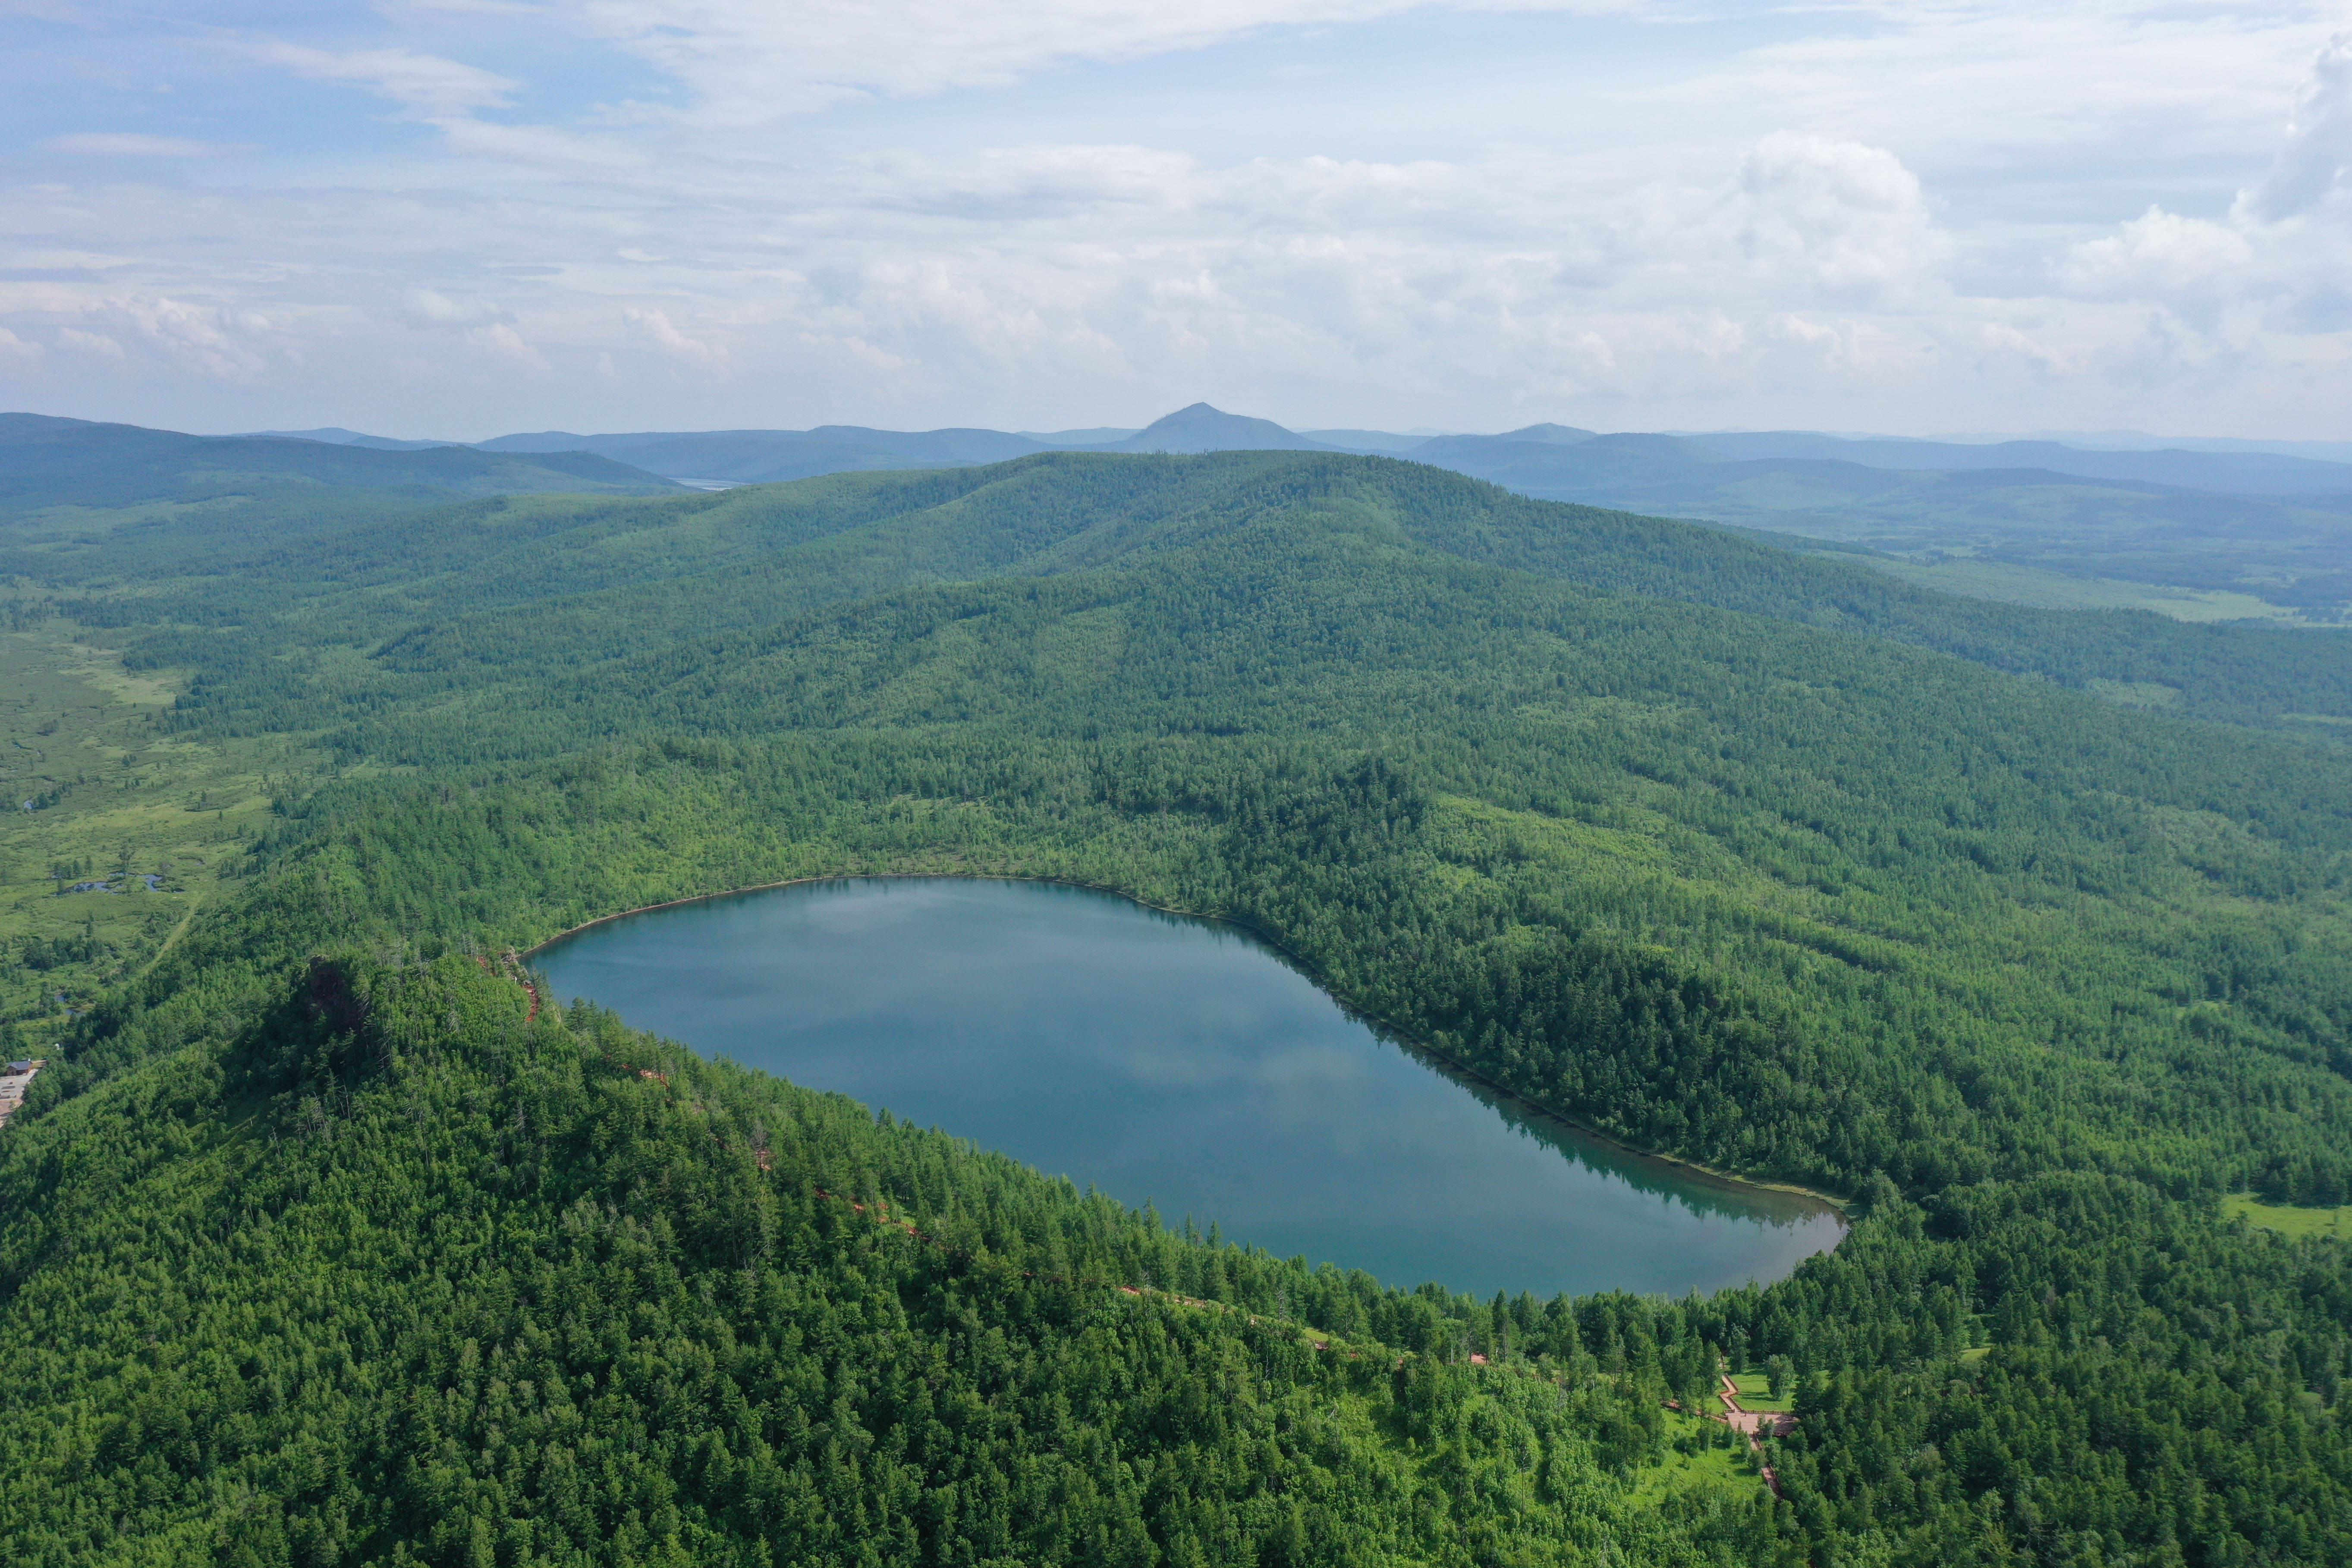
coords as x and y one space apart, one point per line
1176 1060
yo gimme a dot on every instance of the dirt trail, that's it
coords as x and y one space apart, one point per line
521 976
1758 1423
514 963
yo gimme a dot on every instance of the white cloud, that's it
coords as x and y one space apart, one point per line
590 159
430 307
154 333
2281 253
2000 347
1846 219
130 144
97 345
428 86
2159 255
2317 155
656 327
505 348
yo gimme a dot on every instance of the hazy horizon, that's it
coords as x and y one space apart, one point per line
2117 439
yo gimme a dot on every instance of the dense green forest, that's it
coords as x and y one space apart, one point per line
320 1242
535 587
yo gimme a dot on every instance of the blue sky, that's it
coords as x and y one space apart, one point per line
459 217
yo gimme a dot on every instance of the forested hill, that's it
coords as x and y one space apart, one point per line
328 1238
593 579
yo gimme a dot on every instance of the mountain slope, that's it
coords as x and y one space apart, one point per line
2268 524
608 572
1201 428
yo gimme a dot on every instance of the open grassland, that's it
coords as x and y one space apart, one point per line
97 797
2299 1223
2038 588
1700 1456
1756 1394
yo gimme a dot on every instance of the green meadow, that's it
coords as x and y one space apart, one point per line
96 791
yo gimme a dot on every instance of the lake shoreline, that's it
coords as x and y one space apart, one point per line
1709 1174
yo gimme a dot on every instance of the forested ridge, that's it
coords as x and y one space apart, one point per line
551 581
320 1246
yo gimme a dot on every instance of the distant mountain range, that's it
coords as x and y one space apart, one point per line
763 457
2232 473
46 461
2282 535
753 457
2141 441
2264 524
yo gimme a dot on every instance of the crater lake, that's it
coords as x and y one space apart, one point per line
1178 1061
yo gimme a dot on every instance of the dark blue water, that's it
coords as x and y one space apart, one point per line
1175 1060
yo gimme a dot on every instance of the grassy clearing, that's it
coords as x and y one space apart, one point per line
90 793
2136 693
1701 1455
2043 590
1756 1394
2297 1223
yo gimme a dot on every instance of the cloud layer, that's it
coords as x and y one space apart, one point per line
706 212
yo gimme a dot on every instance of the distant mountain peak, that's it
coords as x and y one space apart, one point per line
1201 428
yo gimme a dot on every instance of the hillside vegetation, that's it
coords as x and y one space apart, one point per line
324 1242
555 584
2260 533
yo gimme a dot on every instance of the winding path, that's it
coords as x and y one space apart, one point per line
1758 1423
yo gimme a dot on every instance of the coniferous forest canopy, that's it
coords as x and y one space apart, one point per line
325 1239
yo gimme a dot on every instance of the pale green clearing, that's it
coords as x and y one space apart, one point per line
1756 1394
93 792
2300 1223
2136 693
1702 1456
2032 586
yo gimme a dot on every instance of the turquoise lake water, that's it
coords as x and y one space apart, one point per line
1172 1059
